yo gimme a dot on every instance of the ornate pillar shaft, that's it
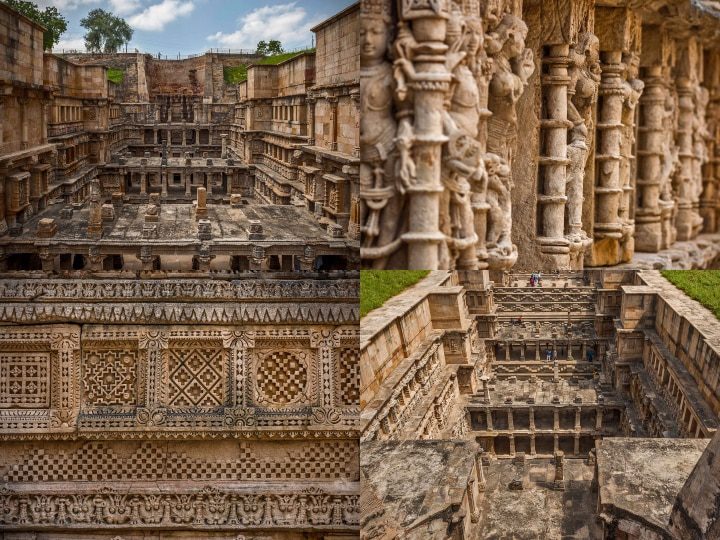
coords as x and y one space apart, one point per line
554 161
311 121
709 209
651 135
430 86
684 221
608 190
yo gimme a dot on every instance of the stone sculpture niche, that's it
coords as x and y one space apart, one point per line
615 153
582 98
440 83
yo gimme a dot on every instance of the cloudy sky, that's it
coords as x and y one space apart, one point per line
174 27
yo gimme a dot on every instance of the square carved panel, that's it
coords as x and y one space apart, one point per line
110 377
284 377
197 376
25 380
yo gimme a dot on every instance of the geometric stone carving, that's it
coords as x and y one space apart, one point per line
110 377
25 380
117 461
347 372
197 377
282 377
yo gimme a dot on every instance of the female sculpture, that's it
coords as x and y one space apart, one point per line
381 196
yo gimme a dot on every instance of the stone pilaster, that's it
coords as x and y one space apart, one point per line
430 84
650 155
553 160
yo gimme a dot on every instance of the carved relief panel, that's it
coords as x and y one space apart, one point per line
39 377
178 376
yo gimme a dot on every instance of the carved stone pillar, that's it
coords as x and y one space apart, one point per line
164 178
633 89
47 259
709 203
608 229
143 183
553 160
146 257
229 181
258 259
310 102
223 151
648 220
307 260
430 84
333 101
686 218
688 221
3 220
95 227
95 258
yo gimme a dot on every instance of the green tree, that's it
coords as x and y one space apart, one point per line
105 32
54 23
262 48
274 47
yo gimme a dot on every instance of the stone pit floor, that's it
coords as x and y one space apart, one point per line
538 511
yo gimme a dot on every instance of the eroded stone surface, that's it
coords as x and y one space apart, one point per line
592 395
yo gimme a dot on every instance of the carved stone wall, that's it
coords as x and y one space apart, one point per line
528 134
186 423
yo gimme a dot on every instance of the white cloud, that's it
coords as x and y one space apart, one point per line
288 23
157 16
75 43
65 4
125 7
119 7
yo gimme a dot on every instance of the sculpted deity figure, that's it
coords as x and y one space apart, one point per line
632 90
513 67
670 156
463 174
582 93
502 253
381 138
701 135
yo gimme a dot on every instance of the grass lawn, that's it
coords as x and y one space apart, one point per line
701 285
279 58
238 74
376 286
115 75
234 74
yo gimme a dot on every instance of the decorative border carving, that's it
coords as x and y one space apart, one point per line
209 508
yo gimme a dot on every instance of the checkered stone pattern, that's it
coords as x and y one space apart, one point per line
197 377
110 377
93 462
319 461
347 369
282 377
24 380
97 462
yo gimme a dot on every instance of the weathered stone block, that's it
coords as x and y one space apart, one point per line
107 212
47 227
